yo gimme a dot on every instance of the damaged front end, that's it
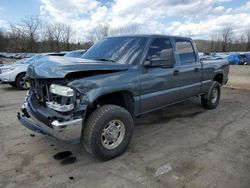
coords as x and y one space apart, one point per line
59 95
54 109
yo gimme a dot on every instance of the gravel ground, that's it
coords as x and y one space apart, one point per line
180 146
239 77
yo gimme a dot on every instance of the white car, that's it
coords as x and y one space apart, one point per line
14 74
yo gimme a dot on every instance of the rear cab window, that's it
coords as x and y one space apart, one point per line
185 51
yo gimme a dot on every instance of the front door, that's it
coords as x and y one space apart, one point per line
158 85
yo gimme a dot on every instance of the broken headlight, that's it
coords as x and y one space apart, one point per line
59 107
61 90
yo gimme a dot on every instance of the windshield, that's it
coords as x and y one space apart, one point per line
122 50
20 61
75 54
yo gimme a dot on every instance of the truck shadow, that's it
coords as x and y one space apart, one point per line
186 109
145 125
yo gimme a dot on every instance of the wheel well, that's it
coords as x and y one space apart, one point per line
218 78
122 98
19 74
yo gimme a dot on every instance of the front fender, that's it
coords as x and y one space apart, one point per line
96 86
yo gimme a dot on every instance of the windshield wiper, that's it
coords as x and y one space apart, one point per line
103 59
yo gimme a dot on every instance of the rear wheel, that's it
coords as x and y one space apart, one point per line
21 82
107 132
211 100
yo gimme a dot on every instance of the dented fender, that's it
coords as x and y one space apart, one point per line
98 85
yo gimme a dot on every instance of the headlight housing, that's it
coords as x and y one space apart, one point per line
3 70
61 90
60 108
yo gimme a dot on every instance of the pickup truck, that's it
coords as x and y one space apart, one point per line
93 100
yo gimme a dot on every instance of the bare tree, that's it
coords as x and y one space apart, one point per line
29 28
227 36
66 35
242 44
60 35
99 33
129 30
104 31
213 38
17 41
31 35
48 38
57 33
248 39
57 36
3 41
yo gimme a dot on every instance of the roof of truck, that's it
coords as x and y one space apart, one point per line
151 36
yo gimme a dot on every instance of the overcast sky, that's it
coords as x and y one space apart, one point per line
196 18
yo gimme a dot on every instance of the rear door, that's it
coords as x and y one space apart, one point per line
189 69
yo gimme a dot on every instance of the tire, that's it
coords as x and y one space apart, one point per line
212 98
96 137
21 83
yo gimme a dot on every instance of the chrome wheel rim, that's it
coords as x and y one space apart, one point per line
214 95
113 134
24 83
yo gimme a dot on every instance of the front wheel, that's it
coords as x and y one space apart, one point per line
21 82
108 132
211 100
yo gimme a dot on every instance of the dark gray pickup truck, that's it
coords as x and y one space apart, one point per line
93 100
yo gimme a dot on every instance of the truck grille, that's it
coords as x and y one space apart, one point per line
40 88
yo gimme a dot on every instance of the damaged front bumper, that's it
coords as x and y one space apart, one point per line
48 122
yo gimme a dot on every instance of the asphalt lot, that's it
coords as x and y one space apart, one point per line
181 146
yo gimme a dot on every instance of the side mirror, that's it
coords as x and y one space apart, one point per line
164 60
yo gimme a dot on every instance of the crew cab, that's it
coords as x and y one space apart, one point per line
93 100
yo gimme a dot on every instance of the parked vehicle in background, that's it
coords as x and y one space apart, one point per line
211 58
247 62
233 59
243 59
14 74
237 58
92 100
75 53
56 54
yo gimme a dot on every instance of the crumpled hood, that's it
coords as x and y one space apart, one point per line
59 67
